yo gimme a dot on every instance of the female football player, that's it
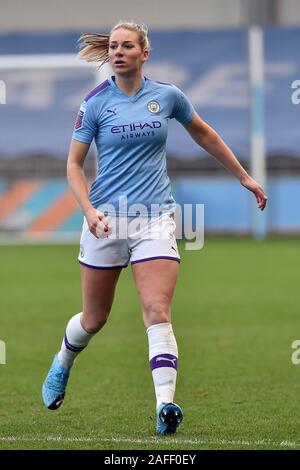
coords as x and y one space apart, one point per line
129 211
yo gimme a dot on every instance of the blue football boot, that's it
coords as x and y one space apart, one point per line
169 416
54 387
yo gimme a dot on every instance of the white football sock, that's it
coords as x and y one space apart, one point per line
75 340
163 357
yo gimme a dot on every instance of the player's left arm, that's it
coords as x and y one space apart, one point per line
208 138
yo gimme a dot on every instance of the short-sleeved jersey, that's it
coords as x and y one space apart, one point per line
130 134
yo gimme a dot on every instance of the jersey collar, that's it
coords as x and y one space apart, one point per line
120 92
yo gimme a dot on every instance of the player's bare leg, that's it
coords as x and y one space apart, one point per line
155 281
98 287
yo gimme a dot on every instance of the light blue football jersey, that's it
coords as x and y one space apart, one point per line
130 134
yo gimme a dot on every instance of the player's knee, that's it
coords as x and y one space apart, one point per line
93 324
157 312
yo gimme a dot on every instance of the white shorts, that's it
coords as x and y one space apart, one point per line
133 239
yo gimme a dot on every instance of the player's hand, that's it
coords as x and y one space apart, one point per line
93 217
257 190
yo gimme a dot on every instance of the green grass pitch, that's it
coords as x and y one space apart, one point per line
236 313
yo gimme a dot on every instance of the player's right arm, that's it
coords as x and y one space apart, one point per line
77 182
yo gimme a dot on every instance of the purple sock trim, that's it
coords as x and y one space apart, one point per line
164 360
71 347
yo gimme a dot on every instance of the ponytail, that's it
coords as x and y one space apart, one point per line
94 47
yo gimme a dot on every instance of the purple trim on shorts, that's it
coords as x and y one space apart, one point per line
71 347
155 257
164 360
101 267
96 90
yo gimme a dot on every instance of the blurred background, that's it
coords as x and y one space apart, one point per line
236 63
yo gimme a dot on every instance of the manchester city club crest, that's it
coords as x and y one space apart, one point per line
153 106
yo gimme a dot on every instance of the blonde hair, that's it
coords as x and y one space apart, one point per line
94 47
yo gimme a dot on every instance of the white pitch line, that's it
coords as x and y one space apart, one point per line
155 440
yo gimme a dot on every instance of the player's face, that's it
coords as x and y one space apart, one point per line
125 54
